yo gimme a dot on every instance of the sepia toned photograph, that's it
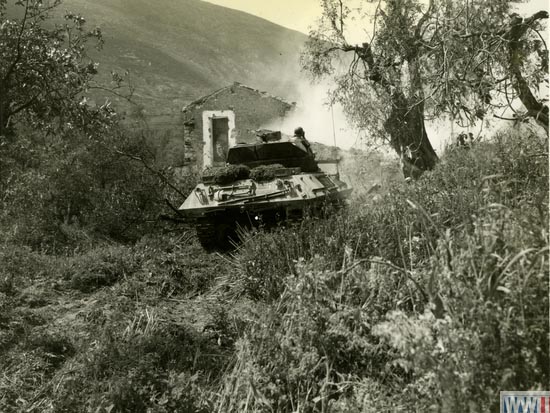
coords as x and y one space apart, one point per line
272 206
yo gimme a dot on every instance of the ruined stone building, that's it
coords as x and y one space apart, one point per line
228 116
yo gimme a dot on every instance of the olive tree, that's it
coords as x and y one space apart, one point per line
44 68
421 61
507 64
64 162
485 59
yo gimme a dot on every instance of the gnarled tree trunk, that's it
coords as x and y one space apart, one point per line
405 124
3 113
408 136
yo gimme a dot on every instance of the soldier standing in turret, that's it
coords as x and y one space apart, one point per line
300 136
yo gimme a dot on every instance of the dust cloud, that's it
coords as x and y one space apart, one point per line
315 115
326 124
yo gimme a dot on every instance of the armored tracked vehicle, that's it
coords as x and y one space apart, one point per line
262 183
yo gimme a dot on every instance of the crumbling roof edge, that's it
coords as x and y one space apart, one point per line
203 99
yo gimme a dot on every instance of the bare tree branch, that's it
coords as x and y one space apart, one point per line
534 107
152 170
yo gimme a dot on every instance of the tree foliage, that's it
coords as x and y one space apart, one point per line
423 61
69 169
45 69
487 59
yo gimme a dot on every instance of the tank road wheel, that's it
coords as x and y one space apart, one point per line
226 235
216 234
206 233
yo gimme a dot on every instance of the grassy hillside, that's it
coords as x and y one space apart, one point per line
179 50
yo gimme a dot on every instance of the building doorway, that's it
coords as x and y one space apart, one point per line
218 131
220 138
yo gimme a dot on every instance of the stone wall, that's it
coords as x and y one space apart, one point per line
251 109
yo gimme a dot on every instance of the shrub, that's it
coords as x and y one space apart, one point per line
487 338
147 366
266 258
100 267
172 265
303 349
20 266
73 182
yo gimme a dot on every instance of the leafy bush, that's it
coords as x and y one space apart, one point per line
100 267
488 338
171 265
64 161
147 366
76 190
20 266
157 266
265 258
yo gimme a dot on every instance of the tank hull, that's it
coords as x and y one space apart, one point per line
218 211
298 204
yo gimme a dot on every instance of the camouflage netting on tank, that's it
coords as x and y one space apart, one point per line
223 175
265 172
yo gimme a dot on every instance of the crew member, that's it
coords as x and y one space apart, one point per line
300 136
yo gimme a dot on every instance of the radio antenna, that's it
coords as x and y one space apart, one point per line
334 138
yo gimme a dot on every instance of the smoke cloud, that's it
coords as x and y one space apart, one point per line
315 115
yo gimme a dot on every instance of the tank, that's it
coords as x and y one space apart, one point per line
276 179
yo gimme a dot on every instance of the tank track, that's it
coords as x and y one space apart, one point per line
216 234
207 234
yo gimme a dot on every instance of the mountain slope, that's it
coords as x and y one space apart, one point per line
178 50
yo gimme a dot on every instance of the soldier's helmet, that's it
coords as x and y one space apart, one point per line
299 132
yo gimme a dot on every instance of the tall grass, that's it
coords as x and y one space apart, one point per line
434 298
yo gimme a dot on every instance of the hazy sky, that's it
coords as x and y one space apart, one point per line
294 14
300 14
